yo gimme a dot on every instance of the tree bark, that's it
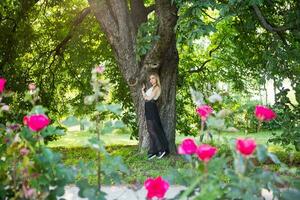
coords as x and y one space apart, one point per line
120 26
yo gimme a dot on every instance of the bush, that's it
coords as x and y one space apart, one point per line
30 170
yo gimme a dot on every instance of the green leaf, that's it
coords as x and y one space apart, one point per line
290 194
239 164
191 188
97 144
38 110
114 108
83 186
58 191
86 123
262 153
51 130
274 158
109 126
47 156
89 193
70 121
216 123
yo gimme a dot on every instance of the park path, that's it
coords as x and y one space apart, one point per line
124 193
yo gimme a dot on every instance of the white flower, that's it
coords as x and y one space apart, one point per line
88 100
197 97
17 139
231 129
215 98
5 108
223 113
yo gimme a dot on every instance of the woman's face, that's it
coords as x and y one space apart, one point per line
153 80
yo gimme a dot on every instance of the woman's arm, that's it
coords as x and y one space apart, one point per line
143 91
154 93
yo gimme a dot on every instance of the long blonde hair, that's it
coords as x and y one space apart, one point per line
156 77
157 82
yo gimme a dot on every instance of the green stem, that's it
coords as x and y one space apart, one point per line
202 130
190 189
98 154
259 125
246 164
14 175
205 172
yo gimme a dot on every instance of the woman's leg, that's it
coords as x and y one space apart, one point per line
161 136
158 140
155 145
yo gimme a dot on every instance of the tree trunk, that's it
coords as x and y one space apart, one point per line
120 26
166 102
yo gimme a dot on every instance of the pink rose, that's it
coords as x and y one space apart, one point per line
205 152
156 187
264 113
245 146
36 122
188 146
24 151
2 84
204 111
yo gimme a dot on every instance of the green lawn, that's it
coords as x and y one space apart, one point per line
73 148
80 138
139 167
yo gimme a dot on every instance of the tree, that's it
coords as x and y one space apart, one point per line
120 21
253 41
56 43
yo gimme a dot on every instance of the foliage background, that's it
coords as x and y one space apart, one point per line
217 41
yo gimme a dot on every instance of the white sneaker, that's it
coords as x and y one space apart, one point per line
161 154
151 156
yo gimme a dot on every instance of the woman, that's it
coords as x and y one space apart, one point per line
158 142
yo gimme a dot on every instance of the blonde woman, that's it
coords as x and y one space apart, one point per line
159 146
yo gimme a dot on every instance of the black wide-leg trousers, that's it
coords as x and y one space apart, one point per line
158 139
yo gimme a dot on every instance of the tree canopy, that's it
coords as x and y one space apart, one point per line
244 43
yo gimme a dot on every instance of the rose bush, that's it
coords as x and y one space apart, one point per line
31 170
238 175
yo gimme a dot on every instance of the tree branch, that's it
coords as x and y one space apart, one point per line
207 14
265 24
167 18
149 9
80 17
138 13
200 69
118 25
112 12
263 21
219 45
106 20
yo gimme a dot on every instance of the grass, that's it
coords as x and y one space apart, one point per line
80 139
73 147
76 138
139 167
